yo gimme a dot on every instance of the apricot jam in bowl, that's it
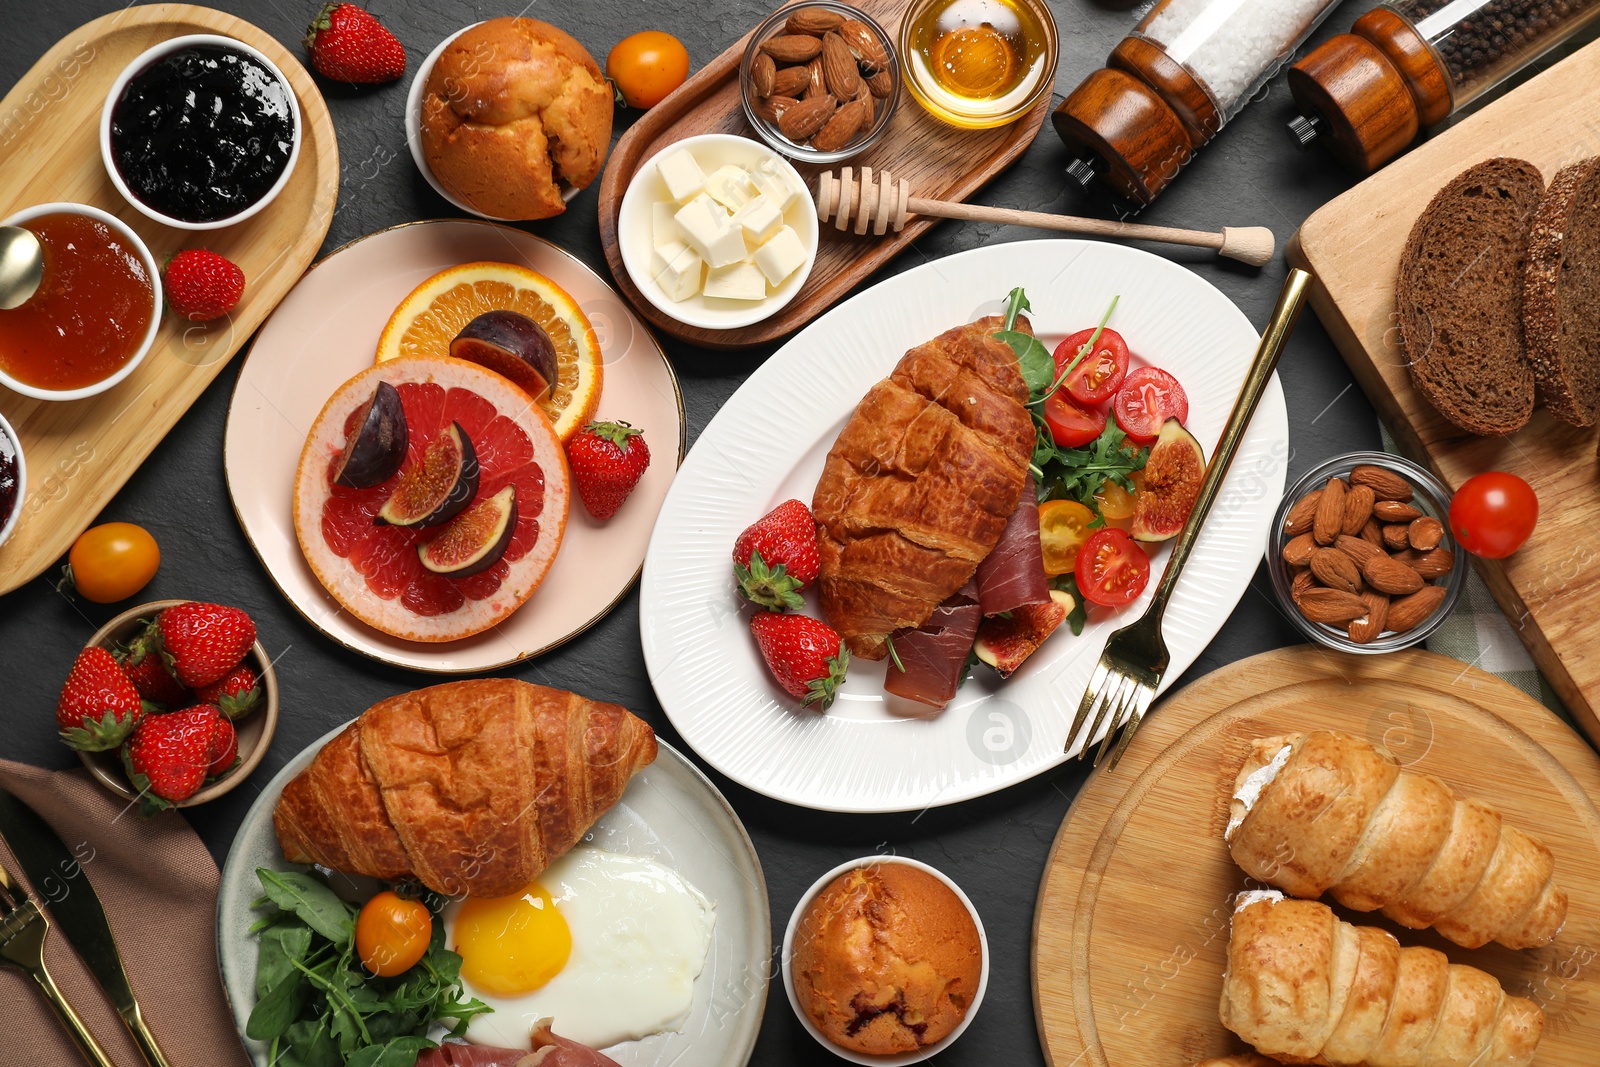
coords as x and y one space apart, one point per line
95 314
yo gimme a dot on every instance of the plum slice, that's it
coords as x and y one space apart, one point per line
1005 642
513 346
477 538
376 445
437 489
1172 478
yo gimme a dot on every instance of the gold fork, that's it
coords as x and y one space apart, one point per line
22 932
1135 657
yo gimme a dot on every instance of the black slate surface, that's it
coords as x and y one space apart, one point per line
995 847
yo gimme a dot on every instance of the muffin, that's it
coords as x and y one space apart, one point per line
513 109
886 960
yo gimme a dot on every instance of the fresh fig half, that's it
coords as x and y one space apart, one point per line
476 539
1004 643
513 346
376 444
435 490
1172 480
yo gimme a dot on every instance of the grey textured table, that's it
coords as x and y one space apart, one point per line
996 847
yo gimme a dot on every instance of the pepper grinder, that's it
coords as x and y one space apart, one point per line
1410 64
1187 69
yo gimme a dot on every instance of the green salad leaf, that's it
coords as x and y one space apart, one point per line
1079 473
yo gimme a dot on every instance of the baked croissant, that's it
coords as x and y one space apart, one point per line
1304 987
470 787
1329 813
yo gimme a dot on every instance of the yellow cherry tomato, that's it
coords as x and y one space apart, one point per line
647 66
113 561
1063 528
1116 505
392 934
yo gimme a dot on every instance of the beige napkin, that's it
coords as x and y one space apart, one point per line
159 888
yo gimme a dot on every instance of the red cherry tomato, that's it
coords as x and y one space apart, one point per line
1070 425
1112 570
1493 513
1100 372
1148 398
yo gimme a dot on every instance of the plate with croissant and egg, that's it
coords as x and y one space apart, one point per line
943 521
472 873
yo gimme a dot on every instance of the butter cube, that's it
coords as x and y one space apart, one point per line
664 229
760 219
737 281
730 186
701 222
781 256
775 184
682 175
677 270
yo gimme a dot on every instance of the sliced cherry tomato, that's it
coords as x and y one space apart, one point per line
1063 528
113 561
1070 425
1099 374
1112 570
1148 398
1115 504
646 66
1493 514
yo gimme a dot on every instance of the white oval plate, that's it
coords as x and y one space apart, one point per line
768 443
670 813
326 331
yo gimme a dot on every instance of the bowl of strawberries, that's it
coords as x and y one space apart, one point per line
171 704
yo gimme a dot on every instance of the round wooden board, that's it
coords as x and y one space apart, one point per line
1131 926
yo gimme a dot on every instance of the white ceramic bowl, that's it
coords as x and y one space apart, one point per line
166 48
414 132
10 522
926 1053
135 242
711 150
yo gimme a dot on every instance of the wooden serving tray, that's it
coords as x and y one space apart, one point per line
939 161
1353 246
1131 926
79 453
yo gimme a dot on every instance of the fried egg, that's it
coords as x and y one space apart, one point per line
608 945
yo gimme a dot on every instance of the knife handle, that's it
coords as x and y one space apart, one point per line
144 1038
92 1052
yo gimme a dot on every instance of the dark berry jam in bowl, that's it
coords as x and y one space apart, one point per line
200 132
13 479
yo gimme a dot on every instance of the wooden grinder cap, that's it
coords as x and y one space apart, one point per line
1135 133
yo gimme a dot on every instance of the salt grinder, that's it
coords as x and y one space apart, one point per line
1408 65
1183 73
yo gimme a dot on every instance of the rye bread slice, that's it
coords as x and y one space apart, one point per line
1459 297
1561 295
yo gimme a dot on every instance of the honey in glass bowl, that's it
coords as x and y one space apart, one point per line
977 63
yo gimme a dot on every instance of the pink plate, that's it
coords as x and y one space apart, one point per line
326 330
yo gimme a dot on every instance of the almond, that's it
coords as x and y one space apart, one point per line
791 81
1385 483
1425 533
772 108
1357 508
1374 622
1372 534
1358 550
805 118
763 72
1301 514
1298 552
864 45
1396 536
881 84
1331 606
818 84
1330 512
1301 581
839 130
814 21
1411 610
1395 511
1390 576
1336 570
792 47
839 69
1434 564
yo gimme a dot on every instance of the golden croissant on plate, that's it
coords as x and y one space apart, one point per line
1303 986
1326 812
470 787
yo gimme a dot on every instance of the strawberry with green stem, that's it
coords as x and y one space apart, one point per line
150 676
607 461
776 557
235 695
98 706
201 642
348 44
807 657
168 755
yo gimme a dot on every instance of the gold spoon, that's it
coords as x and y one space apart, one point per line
21 266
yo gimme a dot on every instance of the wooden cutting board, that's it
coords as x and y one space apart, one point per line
1131 926
1353 246
79 453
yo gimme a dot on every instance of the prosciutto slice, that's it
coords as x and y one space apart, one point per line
1012 575
548 1050
935 654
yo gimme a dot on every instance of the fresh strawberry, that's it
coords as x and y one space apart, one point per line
167 756
349 44
150 676
202 285
99 706
608 459
235 695
777 557
202 642
804 655
224 750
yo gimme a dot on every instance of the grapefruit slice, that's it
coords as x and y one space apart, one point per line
428 320
374 570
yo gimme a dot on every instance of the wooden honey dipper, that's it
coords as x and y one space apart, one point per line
880 201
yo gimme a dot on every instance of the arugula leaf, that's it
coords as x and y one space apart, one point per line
1079 615
1079 473
1016 304
317 906
1033 358
398 1052
288 941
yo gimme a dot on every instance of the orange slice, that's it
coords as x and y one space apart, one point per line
428 320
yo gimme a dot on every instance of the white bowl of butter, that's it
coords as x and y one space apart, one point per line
718 231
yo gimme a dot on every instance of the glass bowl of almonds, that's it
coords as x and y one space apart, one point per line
819 81
1361 554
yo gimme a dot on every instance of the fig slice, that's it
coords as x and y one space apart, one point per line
376 445
435 490
1172 480
476 539
1005 642
513 346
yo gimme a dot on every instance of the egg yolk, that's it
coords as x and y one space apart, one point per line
512 945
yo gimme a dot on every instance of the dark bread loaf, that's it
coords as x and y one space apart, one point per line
1561 294
1459 297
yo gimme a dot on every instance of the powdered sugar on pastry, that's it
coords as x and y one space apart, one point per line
1249 790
